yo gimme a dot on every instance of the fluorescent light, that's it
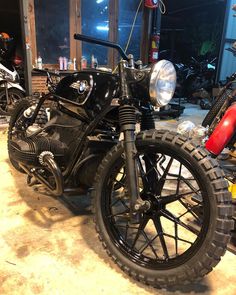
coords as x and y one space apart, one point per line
102 28
99 1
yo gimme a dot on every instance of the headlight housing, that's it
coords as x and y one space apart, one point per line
162 83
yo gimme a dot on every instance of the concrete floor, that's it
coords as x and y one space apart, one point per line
49 246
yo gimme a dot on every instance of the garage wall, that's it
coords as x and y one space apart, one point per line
228 61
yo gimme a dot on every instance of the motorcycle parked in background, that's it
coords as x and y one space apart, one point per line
196 80
10 88
220 120
161 206
220 124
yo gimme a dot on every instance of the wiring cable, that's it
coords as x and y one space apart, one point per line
131 30
132 27
162 8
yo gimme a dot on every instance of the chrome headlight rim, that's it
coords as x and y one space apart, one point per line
155 76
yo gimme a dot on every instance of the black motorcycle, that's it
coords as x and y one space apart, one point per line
195 80
161 205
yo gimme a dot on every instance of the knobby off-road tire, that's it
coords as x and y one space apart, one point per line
218 103
15 94
18 110
212 235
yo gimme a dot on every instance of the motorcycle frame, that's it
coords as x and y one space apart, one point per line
126 110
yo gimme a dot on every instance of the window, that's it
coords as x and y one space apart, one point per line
95 23
52 29
127 11
56 21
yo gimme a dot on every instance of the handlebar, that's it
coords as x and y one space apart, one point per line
101 42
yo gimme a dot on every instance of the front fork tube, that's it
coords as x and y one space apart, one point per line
137 205
127 120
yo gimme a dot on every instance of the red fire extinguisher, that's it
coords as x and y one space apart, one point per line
151 3
155 40
154 50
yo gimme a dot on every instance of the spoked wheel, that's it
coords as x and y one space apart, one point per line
120 179
6 108
185 231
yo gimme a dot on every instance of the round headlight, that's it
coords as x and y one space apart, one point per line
162 83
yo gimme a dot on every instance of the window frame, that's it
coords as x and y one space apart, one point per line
75 25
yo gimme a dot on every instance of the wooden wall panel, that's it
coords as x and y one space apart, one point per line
146 34
75 27
39 84
113 31
32 31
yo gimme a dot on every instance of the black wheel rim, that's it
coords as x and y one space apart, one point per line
171 232
7 108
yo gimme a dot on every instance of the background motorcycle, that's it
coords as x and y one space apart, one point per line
221 133
161 205
221 130
10 88
196 79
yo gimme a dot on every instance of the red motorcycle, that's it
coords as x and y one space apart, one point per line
221 135
221 118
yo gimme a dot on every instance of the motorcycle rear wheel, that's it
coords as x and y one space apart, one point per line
215 108
14 95
172 244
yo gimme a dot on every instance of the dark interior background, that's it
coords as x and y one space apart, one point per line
192 28
10 22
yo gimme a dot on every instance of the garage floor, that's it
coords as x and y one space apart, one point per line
49 246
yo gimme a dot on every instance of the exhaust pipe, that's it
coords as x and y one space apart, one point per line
46 159
223 132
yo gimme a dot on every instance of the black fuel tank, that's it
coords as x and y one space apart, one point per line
90 89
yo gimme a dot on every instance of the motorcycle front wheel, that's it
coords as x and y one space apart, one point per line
14 96
185 232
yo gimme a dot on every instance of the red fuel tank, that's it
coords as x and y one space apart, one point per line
223 132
